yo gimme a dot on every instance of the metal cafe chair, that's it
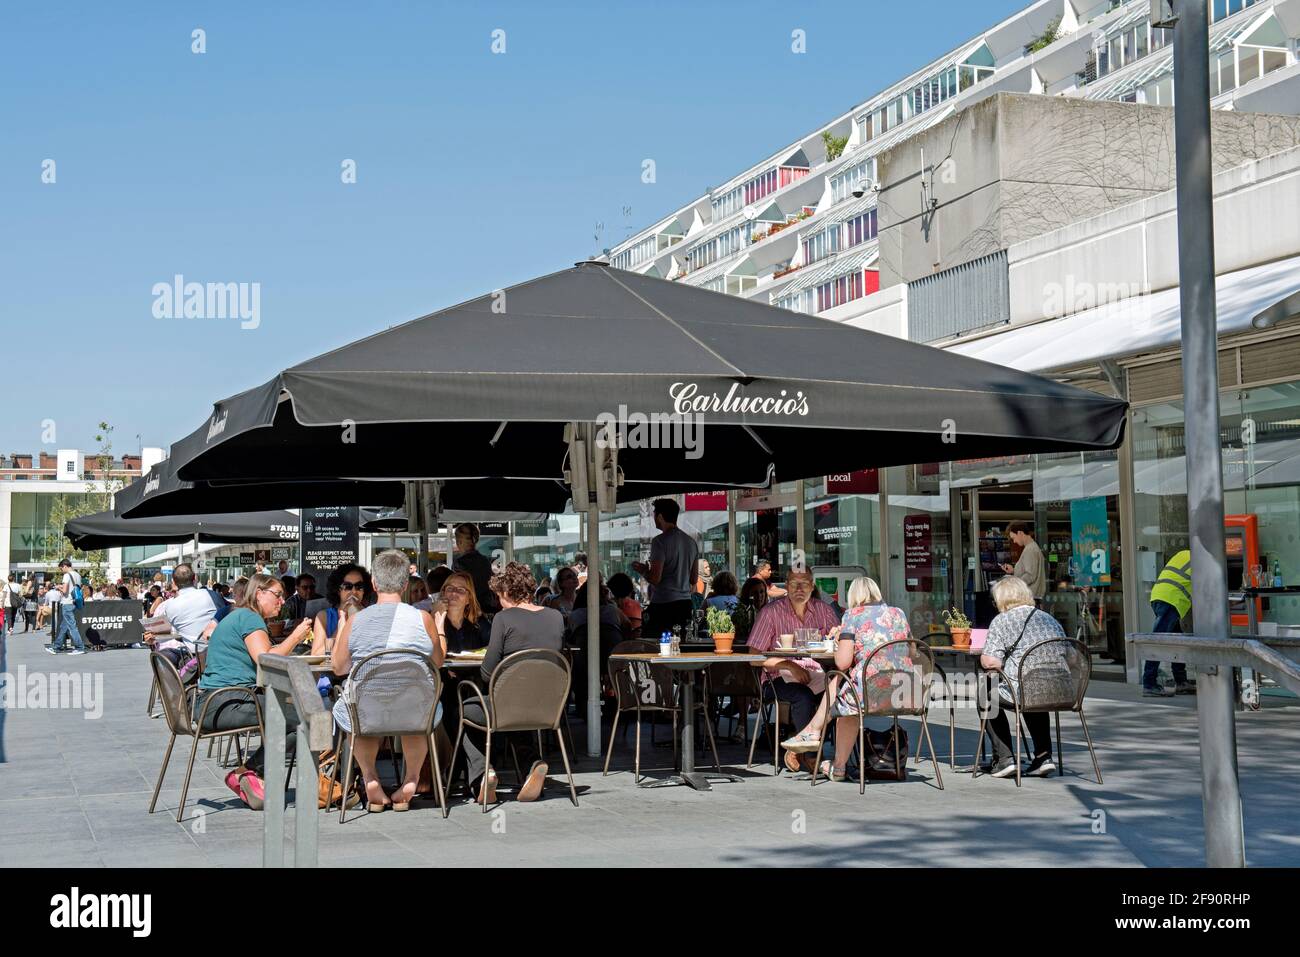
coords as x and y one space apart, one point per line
1051 679
887 697
178 710
643 688
389 694
780 715
738 682
529 691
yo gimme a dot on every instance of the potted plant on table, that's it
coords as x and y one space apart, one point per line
722 630
959 626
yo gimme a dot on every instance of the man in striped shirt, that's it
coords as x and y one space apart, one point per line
799 682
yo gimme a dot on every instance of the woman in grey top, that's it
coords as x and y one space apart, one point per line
386 625
1017 628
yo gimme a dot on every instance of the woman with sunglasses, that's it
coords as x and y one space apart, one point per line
239 640
348 590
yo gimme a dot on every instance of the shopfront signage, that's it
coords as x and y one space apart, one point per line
864 482
280 553
918 553
221 561
247 558
113 623
706 501
1090 533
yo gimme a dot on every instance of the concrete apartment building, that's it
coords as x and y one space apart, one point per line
1012 200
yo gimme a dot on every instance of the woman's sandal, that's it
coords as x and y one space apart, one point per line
832 773
804 741
401 805
374 807
487 792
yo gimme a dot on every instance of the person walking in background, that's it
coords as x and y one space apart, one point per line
13 601
30 595
70 598
1171 602
672 571
1030 567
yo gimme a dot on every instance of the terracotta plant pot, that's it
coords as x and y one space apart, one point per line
960 637
722 642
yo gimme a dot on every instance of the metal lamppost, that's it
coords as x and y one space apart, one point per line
1220 794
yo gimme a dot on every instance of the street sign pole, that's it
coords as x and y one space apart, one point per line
1220 792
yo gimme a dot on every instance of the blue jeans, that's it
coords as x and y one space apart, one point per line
68 626
1168 621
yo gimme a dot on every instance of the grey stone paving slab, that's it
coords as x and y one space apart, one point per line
75 792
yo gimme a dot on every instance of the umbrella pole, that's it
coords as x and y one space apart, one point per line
593 631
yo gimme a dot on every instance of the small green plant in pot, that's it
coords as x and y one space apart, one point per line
959 626
722 629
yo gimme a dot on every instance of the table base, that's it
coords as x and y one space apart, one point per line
695 779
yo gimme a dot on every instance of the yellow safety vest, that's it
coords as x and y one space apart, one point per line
1174 583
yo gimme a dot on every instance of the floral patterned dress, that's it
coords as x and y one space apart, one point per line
872 626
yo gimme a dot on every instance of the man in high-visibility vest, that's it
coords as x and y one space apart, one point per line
1171 600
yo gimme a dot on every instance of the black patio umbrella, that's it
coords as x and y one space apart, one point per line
107 530
159 493
395 520
756 390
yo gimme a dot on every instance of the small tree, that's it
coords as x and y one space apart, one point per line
834 145
95 499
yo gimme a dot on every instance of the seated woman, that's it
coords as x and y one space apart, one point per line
614 628
1017 628
565 597
347 590
415 592
237 642
518 626
868 624
753 596
462 626
723 594
387 625
624 592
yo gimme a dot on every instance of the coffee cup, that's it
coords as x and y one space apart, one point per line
787 641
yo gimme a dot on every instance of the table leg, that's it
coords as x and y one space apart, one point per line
689 776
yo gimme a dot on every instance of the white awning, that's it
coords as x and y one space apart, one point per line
1131 326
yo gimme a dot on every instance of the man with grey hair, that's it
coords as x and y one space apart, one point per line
390 571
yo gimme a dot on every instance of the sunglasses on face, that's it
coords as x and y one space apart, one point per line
352 586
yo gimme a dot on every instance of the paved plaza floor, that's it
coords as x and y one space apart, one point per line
74 791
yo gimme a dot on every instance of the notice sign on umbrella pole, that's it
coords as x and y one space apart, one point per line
330 539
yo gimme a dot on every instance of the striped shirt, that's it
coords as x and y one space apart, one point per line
778 618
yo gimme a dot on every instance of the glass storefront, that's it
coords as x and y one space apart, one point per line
1260 436
36 524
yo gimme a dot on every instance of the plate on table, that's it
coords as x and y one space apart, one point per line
314 659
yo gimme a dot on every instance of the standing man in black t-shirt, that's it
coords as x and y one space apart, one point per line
672 571
469 559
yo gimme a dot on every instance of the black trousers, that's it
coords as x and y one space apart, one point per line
662 616
229 710
801 699
474 745
1004 746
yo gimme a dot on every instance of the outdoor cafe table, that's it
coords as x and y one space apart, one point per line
688 663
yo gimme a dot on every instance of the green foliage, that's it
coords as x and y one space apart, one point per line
1051 33
955 619
720 622
834 145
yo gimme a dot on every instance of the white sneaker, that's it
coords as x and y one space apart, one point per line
76 651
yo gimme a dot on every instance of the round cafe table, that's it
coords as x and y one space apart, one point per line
689 663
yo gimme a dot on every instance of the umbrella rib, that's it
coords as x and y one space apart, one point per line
686 332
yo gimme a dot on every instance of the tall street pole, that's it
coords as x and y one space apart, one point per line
1220 795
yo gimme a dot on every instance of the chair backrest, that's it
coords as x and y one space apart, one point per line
529 690
1053 675
393 692
904 669
175 701
734 678
637 682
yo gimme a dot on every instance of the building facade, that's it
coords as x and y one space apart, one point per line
1012 200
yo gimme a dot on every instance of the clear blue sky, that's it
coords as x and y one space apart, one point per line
474 170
